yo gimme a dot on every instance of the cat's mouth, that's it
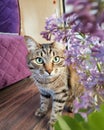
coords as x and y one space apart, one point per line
47 80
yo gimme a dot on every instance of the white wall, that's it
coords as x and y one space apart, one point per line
34 13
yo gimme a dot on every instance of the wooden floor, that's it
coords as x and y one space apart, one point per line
18 104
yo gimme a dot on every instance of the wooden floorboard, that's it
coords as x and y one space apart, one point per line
18 104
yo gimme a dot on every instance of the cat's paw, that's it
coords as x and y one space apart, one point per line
40 113
50 126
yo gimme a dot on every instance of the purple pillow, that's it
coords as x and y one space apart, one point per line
9 16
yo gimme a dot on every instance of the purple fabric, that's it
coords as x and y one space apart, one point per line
9 16
13 66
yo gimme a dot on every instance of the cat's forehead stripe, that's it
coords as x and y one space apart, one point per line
44 49
41 53
47 49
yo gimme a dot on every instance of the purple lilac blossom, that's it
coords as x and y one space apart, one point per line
84 39
81 49
87 15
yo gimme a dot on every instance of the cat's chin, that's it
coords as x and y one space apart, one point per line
47 80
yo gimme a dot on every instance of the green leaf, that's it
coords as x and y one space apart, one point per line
85 126
61 124
67 123
83 110
79 118
99 67
82 34
96 119
102 107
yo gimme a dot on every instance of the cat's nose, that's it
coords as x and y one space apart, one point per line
48 69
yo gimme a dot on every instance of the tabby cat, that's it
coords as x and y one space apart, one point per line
51 76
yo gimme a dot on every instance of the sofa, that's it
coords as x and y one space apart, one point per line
13 51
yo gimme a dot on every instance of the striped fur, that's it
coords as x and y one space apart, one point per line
50 74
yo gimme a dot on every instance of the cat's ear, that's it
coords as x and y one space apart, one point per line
31 43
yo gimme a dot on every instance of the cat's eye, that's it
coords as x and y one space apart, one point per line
39 60
56 59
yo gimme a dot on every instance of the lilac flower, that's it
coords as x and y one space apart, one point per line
87 16
86 103
83 34
54 27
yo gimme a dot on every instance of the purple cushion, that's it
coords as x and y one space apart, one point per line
13 66
9 16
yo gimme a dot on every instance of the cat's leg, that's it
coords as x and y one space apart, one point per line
59 100
44 104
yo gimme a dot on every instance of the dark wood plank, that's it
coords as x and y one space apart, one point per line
18 104
42 124
9 92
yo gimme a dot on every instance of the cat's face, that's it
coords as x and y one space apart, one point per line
46 60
